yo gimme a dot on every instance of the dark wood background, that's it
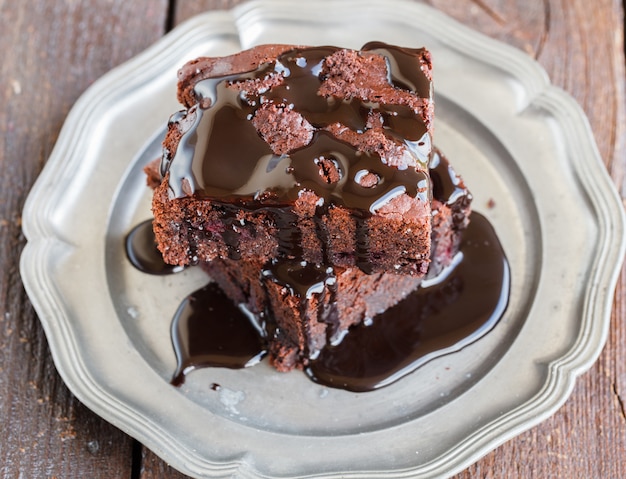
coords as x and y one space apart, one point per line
52 51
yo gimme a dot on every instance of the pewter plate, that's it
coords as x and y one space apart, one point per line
523 146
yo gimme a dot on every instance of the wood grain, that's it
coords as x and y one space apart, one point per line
53 50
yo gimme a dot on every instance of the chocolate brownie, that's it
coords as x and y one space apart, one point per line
317 154
304 182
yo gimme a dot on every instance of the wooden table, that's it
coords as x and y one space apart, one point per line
52 51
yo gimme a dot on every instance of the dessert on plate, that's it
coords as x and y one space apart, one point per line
304 181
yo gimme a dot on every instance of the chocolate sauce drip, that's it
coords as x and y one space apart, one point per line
166 157
221 155
142 251
209 330
307 282
455 311
231 236
322 233
289 235
448 187
301 279
348 191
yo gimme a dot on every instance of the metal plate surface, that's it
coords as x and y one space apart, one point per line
524 148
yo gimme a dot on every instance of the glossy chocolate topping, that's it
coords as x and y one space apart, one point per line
402 69
302 279
221 153
448 187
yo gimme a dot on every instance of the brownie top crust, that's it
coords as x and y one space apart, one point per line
265 125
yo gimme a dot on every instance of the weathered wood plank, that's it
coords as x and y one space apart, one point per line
152 467
51 51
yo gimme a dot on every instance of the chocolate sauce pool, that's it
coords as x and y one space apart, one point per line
444 316
209 330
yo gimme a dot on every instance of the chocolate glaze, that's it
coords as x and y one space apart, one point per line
348 192
304 281
402 71
448 187
448 314
221 154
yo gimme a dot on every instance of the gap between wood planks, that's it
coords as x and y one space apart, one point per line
620 401
170 16
136 458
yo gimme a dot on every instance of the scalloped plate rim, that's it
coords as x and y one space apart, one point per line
563 371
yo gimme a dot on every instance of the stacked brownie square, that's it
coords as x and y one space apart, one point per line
303 179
